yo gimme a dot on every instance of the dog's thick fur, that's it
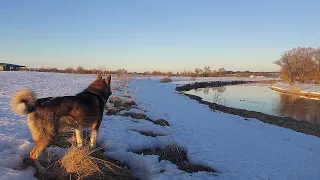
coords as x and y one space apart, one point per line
47 116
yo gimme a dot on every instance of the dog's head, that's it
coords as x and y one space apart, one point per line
101 86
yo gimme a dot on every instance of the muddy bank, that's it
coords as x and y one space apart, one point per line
286 122
197 85
297 93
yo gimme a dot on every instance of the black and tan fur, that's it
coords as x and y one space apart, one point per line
47 116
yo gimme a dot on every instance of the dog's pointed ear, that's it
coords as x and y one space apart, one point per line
108 79
99 76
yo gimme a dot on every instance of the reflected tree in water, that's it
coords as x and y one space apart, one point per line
206 90
221 89
299 108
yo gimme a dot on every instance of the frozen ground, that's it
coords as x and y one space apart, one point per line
238 149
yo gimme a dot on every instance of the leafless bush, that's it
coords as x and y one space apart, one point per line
165 80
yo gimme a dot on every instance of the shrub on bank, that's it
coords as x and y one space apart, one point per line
165 80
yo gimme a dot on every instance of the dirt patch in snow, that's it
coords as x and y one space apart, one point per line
136 116
178 157
148 133
141 116
161 122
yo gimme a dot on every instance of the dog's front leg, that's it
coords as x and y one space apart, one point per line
93 138
79 136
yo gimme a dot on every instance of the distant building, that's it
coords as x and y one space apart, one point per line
9 67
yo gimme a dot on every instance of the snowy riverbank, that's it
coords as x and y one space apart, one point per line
304 90
236 148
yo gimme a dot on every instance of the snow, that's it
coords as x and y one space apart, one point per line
314 88
236 148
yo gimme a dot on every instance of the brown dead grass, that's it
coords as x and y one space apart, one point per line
119 105
111 110
118 102
80 161
161 122
148 133
82 164
137 116
113 99
178 157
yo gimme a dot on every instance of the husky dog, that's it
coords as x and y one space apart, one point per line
47 116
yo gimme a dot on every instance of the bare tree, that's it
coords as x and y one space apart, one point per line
207 71
222 70
69 70
298 65
198 72
80 70
316 72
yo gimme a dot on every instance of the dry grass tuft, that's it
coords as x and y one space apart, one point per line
80 162
111 110
114 99
119 105
165 80
118 102
85 163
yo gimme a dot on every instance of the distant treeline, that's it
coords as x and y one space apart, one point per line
79 70
205 72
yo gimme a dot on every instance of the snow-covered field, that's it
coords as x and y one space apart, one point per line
236 148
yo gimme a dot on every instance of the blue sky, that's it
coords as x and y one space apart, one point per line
166 35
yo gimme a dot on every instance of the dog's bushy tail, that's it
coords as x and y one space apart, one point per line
23 102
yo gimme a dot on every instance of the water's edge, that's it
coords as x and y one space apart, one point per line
286 122
299 93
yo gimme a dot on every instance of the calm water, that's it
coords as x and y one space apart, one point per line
260 98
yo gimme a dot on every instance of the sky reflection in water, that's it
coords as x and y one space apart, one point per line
260 98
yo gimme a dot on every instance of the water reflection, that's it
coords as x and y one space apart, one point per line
260 98
299 108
